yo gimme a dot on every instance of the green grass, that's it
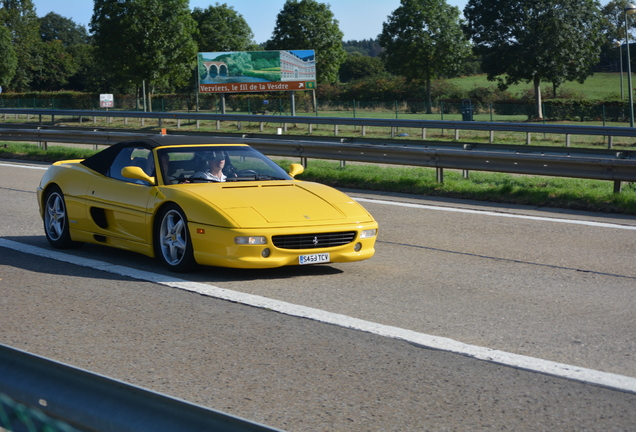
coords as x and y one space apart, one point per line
574 194
566 193
600 86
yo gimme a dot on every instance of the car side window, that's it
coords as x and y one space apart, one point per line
132 156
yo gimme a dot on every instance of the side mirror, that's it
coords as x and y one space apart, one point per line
296 169
136 173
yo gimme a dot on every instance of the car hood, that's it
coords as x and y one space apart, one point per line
285 203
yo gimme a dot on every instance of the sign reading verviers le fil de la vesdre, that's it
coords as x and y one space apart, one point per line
256 71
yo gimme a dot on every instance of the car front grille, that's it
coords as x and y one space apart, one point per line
313 241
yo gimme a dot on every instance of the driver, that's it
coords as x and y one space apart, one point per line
214 172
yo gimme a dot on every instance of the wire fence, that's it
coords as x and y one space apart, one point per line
442 110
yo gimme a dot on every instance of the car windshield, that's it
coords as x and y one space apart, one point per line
198 164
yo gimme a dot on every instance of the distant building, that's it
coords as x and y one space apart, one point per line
294 68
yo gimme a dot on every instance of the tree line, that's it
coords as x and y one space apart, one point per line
132 45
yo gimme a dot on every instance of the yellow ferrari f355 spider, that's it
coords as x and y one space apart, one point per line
193 201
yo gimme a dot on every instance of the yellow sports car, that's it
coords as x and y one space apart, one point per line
213 202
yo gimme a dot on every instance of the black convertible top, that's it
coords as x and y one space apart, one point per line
102 161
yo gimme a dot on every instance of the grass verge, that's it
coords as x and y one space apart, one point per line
566 193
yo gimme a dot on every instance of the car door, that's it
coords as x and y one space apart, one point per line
118 205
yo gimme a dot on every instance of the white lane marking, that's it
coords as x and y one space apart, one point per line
490 213
25 166
561 370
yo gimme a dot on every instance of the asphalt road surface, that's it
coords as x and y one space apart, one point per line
543 286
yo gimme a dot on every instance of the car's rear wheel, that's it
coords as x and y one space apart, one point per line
56 220
173 247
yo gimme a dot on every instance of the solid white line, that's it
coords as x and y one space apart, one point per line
498 214
562 370
25 166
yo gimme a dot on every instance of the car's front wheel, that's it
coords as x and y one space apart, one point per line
56 220
173 247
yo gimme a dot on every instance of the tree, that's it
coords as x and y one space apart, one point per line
220 28
360 66
52 67
56 27
535 40
307 24
144 41
423 38
614 31
19 17
8 57
365 47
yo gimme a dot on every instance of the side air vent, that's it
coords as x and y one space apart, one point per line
99 217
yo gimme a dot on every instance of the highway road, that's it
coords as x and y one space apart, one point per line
471 316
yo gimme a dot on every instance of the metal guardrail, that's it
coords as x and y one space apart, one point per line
92 402
617 166
389 123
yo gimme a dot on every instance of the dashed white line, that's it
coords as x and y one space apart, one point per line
562 370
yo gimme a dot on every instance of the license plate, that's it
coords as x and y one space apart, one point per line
314 258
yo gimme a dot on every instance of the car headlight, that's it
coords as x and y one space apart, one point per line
368 233
250 240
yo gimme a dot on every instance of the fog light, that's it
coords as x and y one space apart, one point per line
357 247
265 253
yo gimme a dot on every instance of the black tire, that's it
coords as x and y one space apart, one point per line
56 221
173 247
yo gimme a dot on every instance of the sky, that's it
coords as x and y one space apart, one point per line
358 19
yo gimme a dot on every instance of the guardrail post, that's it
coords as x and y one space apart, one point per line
567 140
609 142
364 130
465 174
456 134
335 130
440 175
218 125
492 137
528 138
617 186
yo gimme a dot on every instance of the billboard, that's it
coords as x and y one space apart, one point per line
256 71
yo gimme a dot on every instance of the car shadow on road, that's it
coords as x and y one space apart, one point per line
38 261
